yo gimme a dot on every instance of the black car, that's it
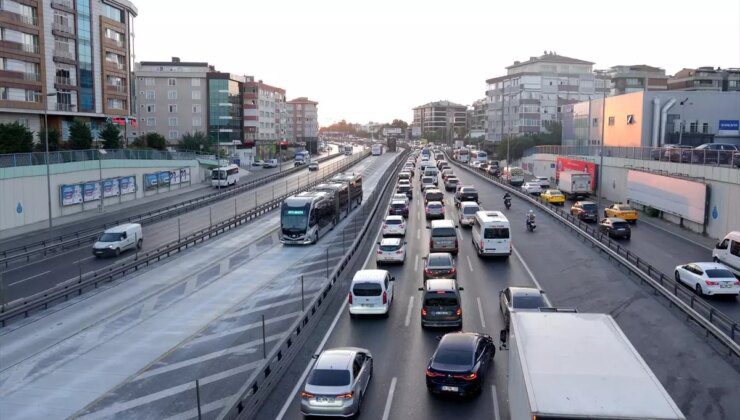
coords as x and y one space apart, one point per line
406 189
615 227
441 304
585 210
460 364
398 208
439 265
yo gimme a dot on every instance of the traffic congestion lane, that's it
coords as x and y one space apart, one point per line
37 276
699 379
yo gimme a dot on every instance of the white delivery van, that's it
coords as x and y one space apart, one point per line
727 252
432 171
118 239
491 234
371 293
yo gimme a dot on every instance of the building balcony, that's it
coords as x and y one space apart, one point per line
28 48
63 28
65 54
116 88
8 74
63 3
18 18
116 65
65 107
65 81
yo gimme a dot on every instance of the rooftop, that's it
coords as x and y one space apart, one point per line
549 57
441 104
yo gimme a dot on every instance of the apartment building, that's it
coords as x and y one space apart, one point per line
706 79
265 116
440 117
225 108
636 78
477 115
533 93
303 120
171 97
71 58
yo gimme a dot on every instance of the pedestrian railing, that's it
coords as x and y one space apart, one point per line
67 156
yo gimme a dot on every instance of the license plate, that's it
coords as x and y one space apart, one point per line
325 400
367 305
726 285
441 313
450 388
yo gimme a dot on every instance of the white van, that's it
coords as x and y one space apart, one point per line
371 293
443 236
433 172
118 239
727 252
491 234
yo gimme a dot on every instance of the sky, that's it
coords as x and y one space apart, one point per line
374 60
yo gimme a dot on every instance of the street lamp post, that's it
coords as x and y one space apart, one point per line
601 151
101 152
48 169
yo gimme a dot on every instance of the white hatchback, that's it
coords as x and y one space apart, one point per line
532 188
391 250
394 226
400 197
708 278
466 213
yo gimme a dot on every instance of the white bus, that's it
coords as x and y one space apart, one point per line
491 234
348 150
463 155
225 176
478 156
377 149
514 175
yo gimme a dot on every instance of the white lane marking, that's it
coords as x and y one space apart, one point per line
241 329
416 262
29 278
408 311
418 233
496 414
480 311
320 347
84 259
470 264
193 412
459 235
389 400
531 275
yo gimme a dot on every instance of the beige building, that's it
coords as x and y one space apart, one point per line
303 120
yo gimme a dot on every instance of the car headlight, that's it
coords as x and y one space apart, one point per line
110 246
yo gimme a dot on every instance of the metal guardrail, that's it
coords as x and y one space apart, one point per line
67 156
249 399
88 235
76 286
713 321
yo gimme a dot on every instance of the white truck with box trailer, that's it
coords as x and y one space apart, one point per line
575 184
565 365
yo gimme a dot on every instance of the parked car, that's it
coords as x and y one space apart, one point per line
713 153
337 382
708 278
521 299
434 210
622 211
441 305
532 188
258 162
460 363
585 210
394 225
439 265
553 197
391 250
669 152
615 227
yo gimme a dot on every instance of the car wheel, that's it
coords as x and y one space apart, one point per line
677 276
139 243
118 252
359 407
628 237
698 290
316 237
715 259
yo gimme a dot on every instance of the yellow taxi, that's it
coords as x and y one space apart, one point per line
553 197
622 211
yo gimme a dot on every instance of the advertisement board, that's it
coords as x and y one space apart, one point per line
175 177
394 131
676 196
150 182
70 194
567 164
127 185
164 179
91 191
110 188
415 131
184 175
729 127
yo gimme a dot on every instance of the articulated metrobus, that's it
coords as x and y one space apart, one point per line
478 156
225 176
377 149
306 217
463 155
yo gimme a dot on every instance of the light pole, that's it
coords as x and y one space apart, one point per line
101 152
601 150
46 135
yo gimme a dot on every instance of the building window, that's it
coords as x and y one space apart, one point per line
116 104
595 122
197 122
116 59
149 94
705 128
630 119
114 36
171 82
149 81
172 122
194 82
196 109
196 95
173 108
113 13
693 127
151 108
171 94
173 135
611 120
151 121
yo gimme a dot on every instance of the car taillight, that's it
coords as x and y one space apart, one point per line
399 252
711 283
480 245
466 376
305 394
350 298
380 252
453 270
428 271
431 374
455 243
423 312
737 283
458 312
385 298
385 225
346 396
431 243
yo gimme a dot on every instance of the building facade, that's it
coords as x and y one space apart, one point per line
653 119
71 58
533 92
440 117
303 120
225 108
477 115
265 115
636 78
706 79
171 98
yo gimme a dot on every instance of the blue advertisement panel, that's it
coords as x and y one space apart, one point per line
150 182
91 191
110 188
164 179
729 126
127 185
70 194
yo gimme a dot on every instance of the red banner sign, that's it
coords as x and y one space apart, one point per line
566 164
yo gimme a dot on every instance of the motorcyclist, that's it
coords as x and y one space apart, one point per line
530 217
507 196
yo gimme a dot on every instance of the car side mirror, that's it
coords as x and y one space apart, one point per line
421 289
378 243
502 336
460 288
393 279
428 227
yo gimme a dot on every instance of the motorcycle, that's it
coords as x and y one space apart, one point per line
531 225
507 203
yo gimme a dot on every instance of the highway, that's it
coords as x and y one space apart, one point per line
701 380
26 279
134 348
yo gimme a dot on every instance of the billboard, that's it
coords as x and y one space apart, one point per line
729 127
127 185
392 131
150 182
91 191
567 164
676 196
110 188
70 194
164 179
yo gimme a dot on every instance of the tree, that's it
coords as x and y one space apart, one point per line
111 136
517 145
150 141
53 140
15 138
400 124
195 141
80 136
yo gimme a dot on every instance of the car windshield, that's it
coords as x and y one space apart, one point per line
434 261
624 208
555 192
367 289
719 273
427 180
454 357
470 210
434 205
294 217
589 207
329 377
393 221
528 302
620 225
443 232
404 187
389 247
398 205
452 180
440 300
111 237
435 196
496 233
